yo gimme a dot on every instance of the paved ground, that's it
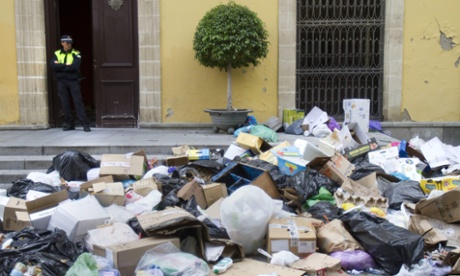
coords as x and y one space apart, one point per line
135 137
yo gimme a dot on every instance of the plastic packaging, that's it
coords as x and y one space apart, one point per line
132 196
222 265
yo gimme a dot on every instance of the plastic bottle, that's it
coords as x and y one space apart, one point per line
222 265
131 197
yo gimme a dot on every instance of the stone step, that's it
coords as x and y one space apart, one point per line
8 176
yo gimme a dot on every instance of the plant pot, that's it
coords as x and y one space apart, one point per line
227 120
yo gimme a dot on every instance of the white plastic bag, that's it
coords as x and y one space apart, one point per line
118 213
144 204
423 268
50 179
159 169
245 215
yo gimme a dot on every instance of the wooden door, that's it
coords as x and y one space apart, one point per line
115 64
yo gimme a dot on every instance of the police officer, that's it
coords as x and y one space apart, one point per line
66 67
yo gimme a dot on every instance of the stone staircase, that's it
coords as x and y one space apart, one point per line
17 163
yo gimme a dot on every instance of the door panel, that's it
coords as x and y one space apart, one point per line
115 63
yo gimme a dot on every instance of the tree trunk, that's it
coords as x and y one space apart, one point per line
229 87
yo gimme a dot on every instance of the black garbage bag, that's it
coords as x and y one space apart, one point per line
21 187
391 246
52 251
307 183
295 128
214 230
398 193
73 165
364 168
325 211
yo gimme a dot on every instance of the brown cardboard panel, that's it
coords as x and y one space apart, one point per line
445 207
213 192
252 267
122 166
252 142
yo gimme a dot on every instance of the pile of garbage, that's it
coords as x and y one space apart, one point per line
344 204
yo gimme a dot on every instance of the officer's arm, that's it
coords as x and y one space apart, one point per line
56 66
75 66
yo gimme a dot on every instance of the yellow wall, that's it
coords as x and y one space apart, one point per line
431 74
9 99
188 87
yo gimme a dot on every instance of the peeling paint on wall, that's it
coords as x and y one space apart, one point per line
457 62
446 42
169 113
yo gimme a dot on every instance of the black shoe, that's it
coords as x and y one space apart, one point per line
66 128
86 129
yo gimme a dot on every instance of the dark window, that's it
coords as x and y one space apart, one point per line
340 54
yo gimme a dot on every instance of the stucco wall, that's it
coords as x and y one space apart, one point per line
431 63
188 88
9 98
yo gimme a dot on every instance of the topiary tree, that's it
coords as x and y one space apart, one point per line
230 36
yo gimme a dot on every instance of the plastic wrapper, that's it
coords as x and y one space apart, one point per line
172 262
84 265
21 187
245 215
264 132
357 259
391 246
73 165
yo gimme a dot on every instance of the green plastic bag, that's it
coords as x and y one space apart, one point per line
84 265
264 132
323 195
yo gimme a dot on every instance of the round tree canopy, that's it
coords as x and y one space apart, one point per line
230 35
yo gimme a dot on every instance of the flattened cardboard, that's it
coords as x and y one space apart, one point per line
270 157
126 256
366 186
318 264
445 207
173 220
294 234
357 111
109 193
249 267
252 142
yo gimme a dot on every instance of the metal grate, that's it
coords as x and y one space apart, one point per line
339 54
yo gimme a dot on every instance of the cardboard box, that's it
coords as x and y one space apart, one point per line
17 211
336 168
213 211
445 183
361 150
353 136
213 192
176 161
78 216
314 117
357 111
123 166
445 207
126 256
144 186
190 189
366 186
331 143
3 202
105 190
268 155
290 161
292 115
252 142
234 150
238 174
294 234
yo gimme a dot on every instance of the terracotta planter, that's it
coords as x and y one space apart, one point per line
227 120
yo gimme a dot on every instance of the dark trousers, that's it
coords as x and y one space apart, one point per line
67 90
